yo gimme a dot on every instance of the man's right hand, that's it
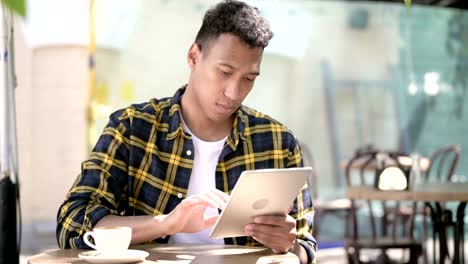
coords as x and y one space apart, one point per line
189 215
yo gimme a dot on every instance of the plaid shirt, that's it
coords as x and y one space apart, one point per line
142 162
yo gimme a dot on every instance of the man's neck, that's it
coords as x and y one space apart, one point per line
204 128
207 131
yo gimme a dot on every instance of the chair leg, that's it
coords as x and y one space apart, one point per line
357 259
350 258
415 253
352 254
425 237
434 238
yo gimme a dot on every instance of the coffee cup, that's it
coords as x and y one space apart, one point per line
110 240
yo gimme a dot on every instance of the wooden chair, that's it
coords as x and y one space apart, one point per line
444 162
392 233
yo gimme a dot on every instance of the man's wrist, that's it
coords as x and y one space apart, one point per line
298 250
164 227
295 248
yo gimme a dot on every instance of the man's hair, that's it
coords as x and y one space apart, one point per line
237 18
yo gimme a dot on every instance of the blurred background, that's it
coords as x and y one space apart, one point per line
341 75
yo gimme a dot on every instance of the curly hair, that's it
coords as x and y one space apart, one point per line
237 18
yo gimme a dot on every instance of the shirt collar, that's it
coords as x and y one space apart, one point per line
176 127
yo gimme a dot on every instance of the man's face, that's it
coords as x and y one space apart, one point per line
222 75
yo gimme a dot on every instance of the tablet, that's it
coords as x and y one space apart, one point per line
259 192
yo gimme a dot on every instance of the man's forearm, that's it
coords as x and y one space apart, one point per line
144 228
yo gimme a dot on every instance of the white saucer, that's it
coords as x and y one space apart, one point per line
131 255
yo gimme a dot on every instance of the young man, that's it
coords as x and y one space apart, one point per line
165 167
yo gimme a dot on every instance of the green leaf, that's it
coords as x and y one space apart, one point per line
408 4
17 6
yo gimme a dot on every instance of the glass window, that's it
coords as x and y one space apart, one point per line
341 75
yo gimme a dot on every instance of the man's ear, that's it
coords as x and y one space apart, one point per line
193 55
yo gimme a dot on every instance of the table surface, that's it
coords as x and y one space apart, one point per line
429 192
164 253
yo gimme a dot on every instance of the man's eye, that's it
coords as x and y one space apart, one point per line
225 73
249 79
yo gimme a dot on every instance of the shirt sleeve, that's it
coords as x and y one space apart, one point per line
303 210
98 189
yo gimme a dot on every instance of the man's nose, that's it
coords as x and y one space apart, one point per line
233 90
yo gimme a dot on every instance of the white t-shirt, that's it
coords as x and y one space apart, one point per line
202 180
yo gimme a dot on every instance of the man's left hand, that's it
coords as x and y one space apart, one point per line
277 232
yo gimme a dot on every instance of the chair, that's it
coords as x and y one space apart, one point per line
339 207
443 163
392 232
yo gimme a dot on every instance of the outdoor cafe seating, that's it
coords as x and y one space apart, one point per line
391 212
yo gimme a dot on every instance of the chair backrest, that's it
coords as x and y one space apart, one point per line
443 163
384 217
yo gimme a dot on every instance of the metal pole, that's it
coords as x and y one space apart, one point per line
9 246
4 104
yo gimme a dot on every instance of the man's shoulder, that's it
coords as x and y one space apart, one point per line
256 118
259 125
147 109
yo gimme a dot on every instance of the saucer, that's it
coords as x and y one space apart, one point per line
130 256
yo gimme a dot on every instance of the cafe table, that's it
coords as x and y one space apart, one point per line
432 194
176 253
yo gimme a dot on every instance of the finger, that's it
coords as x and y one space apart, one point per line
210 221
212 199
218 200
275 220
279 232
224 196
199 200
277 251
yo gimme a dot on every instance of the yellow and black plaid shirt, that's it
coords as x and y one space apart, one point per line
142 162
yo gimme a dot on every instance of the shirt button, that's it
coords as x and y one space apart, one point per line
189 152
179 195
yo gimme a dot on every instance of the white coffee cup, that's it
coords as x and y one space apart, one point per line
110 240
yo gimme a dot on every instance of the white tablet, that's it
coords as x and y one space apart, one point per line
259 192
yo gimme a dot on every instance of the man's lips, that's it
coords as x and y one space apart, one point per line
226 107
